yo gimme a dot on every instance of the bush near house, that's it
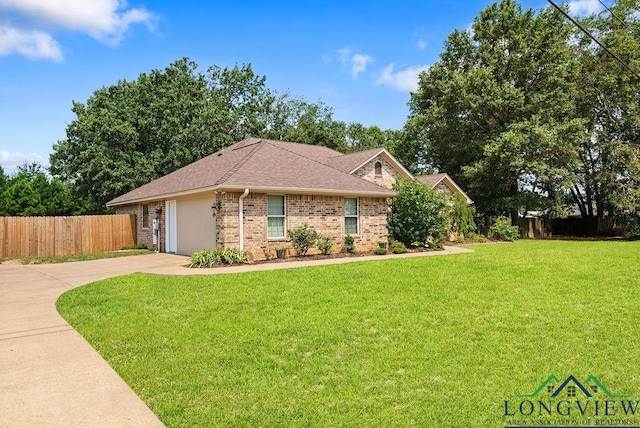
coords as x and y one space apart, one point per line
460 216
349 245
503 230
324 244
219 256
302 239
417 213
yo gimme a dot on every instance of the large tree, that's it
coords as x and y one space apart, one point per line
607 101
130 133
492 112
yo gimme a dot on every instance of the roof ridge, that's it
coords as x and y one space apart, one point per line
254 146
310 158
359 153
324 164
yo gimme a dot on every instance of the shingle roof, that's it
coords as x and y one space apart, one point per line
260 164
347 163
432 179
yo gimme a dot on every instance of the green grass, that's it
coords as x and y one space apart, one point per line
77 258
433 341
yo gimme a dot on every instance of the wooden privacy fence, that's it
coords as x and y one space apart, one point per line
543 228
65 236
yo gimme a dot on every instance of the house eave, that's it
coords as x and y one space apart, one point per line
259 189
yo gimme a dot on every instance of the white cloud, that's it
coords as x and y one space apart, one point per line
31 44
405 80
356 61
104 20
422 45
10 161
359 64
584 7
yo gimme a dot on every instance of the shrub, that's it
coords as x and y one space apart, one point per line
349 246
477 237
417 213
302 239
219 256
504 231
398 247
436 244
380 251
324 244
460 216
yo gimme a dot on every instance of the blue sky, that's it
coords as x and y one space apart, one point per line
360 58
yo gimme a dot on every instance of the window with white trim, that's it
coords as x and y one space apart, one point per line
350 216
275 216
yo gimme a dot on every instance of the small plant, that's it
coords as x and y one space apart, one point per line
504 231
324 244
477 237
380 251
135 247
219 256
436 244
302 239
349 246
398 247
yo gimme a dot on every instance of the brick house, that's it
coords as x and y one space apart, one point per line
444 183
248 195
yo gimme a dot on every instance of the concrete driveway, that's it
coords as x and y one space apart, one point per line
49 375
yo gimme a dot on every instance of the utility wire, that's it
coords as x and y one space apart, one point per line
577 24
624 24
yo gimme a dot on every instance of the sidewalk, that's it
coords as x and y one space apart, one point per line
49 375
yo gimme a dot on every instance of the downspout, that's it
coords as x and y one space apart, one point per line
241 217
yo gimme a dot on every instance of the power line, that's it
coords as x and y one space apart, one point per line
624 24
577 24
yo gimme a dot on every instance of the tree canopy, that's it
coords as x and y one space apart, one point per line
527 113
30 192
492 110
133 132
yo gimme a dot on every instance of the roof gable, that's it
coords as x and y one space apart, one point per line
434 180
354 161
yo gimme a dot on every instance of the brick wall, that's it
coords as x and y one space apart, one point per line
324 214
388 177
145 234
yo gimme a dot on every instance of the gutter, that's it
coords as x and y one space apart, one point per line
241 217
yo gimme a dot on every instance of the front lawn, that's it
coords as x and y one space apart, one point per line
433 341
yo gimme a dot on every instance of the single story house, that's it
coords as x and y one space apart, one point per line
248 195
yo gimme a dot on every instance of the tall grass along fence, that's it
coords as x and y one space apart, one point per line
65 236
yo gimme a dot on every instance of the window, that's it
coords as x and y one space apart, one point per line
378 168
350 216
571 391
145 215
275 216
